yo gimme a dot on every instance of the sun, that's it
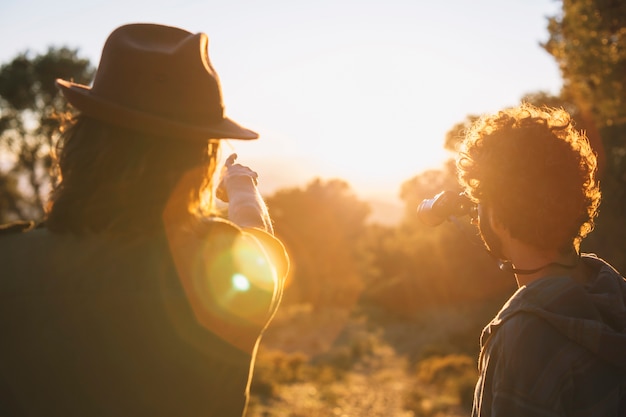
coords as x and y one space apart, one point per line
372 121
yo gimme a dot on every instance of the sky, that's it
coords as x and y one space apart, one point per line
360 90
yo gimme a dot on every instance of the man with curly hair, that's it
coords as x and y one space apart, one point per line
558 346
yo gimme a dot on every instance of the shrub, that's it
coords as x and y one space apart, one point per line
442 382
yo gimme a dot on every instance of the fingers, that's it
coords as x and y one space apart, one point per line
230 160
238 170
229 172
233 169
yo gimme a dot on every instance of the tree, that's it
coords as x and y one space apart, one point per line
31 108
426 185
587 42
587 39
321 226
413 266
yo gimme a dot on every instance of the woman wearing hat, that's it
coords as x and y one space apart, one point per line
134 298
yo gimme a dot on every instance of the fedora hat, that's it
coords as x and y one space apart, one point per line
159 80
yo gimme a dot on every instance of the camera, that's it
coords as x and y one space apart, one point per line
436 210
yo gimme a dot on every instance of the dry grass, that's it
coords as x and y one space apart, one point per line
330 363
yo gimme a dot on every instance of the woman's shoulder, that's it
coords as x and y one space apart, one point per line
15 227
225 232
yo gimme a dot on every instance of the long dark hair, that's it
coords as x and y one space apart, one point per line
118 181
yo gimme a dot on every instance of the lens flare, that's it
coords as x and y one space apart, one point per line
230 281
240 282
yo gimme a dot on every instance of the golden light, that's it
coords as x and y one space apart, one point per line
228 277
240 282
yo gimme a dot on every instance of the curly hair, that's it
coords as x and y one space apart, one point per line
117 181
535 171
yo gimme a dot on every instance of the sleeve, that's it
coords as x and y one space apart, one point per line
233 278
277 255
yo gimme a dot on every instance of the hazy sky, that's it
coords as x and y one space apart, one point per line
357 89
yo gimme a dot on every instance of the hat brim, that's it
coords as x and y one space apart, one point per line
81 97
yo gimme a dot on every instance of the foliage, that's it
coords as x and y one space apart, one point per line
426 185
413 266
438 370
274 368
30 106
451 377
587 41
337 258
321 225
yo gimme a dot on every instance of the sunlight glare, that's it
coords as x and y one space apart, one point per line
240 282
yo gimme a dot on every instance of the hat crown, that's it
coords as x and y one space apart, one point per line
161 70
158 80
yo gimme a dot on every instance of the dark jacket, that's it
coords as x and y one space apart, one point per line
96 326
557 348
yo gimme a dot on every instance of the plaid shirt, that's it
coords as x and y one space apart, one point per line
557 348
